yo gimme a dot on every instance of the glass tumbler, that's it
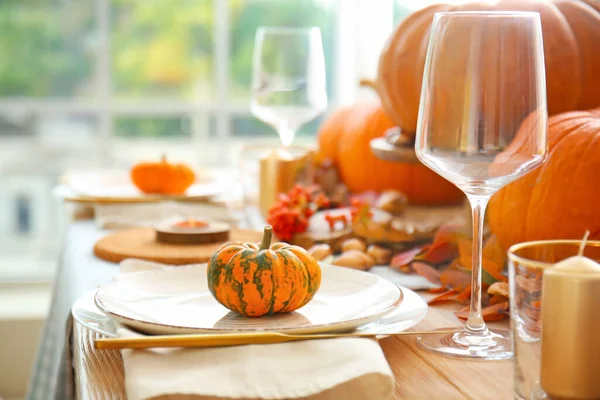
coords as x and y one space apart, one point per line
527 262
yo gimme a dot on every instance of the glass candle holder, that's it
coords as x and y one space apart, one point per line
527 262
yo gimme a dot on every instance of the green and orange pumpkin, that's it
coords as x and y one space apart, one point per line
254 280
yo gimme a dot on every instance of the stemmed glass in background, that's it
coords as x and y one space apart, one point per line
288 78
288 90
482 124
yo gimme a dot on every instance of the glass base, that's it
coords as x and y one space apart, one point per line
486 345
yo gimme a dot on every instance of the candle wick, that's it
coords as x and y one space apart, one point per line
583 242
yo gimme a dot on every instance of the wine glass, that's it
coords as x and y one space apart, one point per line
288 78
482 124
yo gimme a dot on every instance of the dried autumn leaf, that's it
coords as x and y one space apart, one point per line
494 312
534 313
493 251
455 278
465 295
444 248
426 271
530 285
450 295
437 290
404 258
495 299
439 253
490 273
499 288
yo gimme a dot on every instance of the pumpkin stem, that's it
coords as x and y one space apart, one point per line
368 83
266 240
163 158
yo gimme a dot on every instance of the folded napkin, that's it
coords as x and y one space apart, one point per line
121 216
344 369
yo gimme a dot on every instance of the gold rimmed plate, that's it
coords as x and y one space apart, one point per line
177 301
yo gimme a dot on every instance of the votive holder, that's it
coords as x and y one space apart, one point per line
527 262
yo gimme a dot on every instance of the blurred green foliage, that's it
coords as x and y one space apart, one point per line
248 15
162 48
158 49
45 51
152 127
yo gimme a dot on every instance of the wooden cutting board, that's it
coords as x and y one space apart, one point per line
141 243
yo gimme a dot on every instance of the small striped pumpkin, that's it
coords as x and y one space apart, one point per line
258 280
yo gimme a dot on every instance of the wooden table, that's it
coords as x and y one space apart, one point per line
418 374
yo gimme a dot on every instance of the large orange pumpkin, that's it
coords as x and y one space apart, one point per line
571 30
558 200
362 171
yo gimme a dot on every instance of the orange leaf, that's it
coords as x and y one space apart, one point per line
494 253
455 278
437 290
465 247
426 271
465 295
491 313
445 245
450 295
536 304
495 299
439 253
489 266
496 316
405 258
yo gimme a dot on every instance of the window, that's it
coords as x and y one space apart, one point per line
98 82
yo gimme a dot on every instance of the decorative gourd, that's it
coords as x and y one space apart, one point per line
362 171
571 31
162 177
255 281
558 200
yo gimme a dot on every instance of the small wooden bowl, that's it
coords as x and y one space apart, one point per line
214 232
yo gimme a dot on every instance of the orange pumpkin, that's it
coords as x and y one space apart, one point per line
558 200
362 171
162 177
571 30
255 281
330 132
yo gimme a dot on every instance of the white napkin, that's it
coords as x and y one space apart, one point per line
121 216
344 369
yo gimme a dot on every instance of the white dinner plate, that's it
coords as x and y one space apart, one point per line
177 300
407 314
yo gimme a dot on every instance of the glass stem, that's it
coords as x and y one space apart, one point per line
286 134
475 322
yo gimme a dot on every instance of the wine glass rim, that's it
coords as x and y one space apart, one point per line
287 30
540 264
488 14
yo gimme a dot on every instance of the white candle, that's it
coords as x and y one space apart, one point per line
570 362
